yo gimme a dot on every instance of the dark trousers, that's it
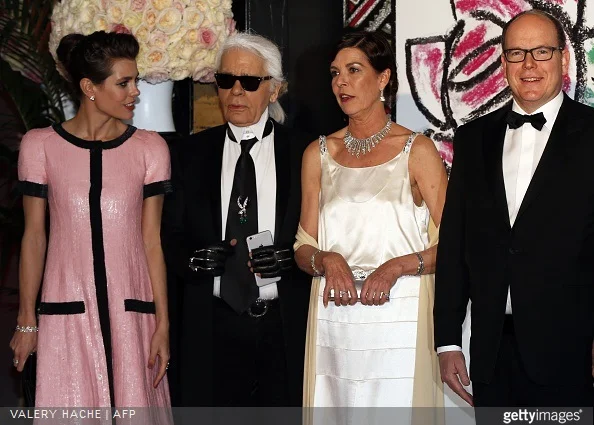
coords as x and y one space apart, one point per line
249 358
512 387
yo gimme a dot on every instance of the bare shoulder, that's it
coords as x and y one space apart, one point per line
423 147
312 150
335 141
311 157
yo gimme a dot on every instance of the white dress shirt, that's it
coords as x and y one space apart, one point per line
262 154
522 150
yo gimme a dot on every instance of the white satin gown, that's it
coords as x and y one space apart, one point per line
365 355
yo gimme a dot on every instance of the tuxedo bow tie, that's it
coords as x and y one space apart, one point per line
515 120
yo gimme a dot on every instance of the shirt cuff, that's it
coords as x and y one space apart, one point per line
446 348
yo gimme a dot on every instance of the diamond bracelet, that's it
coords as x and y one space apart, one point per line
27 329
421 266
317 273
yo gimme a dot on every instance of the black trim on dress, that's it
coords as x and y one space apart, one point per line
92 144
157 188
139 306
32 189
100 273
55 308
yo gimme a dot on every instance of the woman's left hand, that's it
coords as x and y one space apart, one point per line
376 288
159 347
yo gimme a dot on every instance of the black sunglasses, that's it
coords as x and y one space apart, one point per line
248 82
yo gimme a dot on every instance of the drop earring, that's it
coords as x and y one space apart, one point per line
382 98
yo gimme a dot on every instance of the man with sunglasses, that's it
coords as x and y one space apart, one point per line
242 339
517 237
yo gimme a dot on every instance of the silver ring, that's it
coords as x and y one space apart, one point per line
341 293
15 362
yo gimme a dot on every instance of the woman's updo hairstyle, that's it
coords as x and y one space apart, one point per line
91 56
379 52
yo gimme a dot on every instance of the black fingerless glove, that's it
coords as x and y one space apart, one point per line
271 262
211 260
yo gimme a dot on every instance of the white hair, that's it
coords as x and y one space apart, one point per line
270 54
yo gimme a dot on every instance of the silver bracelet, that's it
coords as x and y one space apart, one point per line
421 267
313 263
27 329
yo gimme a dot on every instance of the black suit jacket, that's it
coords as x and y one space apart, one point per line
546 258
192 220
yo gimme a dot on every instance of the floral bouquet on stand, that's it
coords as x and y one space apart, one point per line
178 38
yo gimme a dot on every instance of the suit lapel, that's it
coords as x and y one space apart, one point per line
494 135
549 166
213 176
282 152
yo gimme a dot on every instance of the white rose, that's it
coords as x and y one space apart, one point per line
159 40
169 20
100 22
161 4
150 18
192 36
87 14
193 17
142 33
156 57
201 6
186 50
218 17
179 74
132 20
115 14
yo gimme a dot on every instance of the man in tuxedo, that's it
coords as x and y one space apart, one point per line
240 344
517 236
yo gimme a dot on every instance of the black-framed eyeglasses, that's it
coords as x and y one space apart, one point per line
248 82
540 53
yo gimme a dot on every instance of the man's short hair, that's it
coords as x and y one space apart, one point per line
561 39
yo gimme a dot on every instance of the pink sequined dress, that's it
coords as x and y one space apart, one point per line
96 318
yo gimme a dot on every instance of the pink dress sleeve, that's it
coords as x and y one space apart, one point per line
31 167
158 167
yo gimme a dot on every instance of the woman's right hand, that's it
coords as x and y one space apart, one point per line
23 344
339 278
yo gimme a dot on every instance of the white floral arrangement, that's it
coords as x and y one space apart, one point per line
178 38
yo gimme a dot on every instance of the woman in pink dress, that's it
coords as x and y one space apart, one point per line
103 330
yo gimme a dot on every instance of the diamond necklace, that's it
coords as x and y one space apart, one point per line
362 146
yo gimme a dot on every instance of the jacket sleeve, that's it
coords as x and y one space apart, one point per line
173 238
452 286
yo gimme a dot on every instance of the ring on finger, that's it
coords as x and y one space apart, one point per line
15 362
342 293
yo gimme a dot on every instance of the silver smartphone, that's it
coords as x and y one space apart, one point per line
256 241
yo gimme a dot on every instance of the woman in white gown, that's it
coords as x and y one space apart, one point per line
370 191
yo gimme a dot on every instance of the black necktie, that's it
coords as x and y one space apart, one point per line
238 284
515 120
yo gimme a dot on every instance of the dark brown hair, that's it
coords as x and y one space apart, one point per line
561 39
379 52
91 56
